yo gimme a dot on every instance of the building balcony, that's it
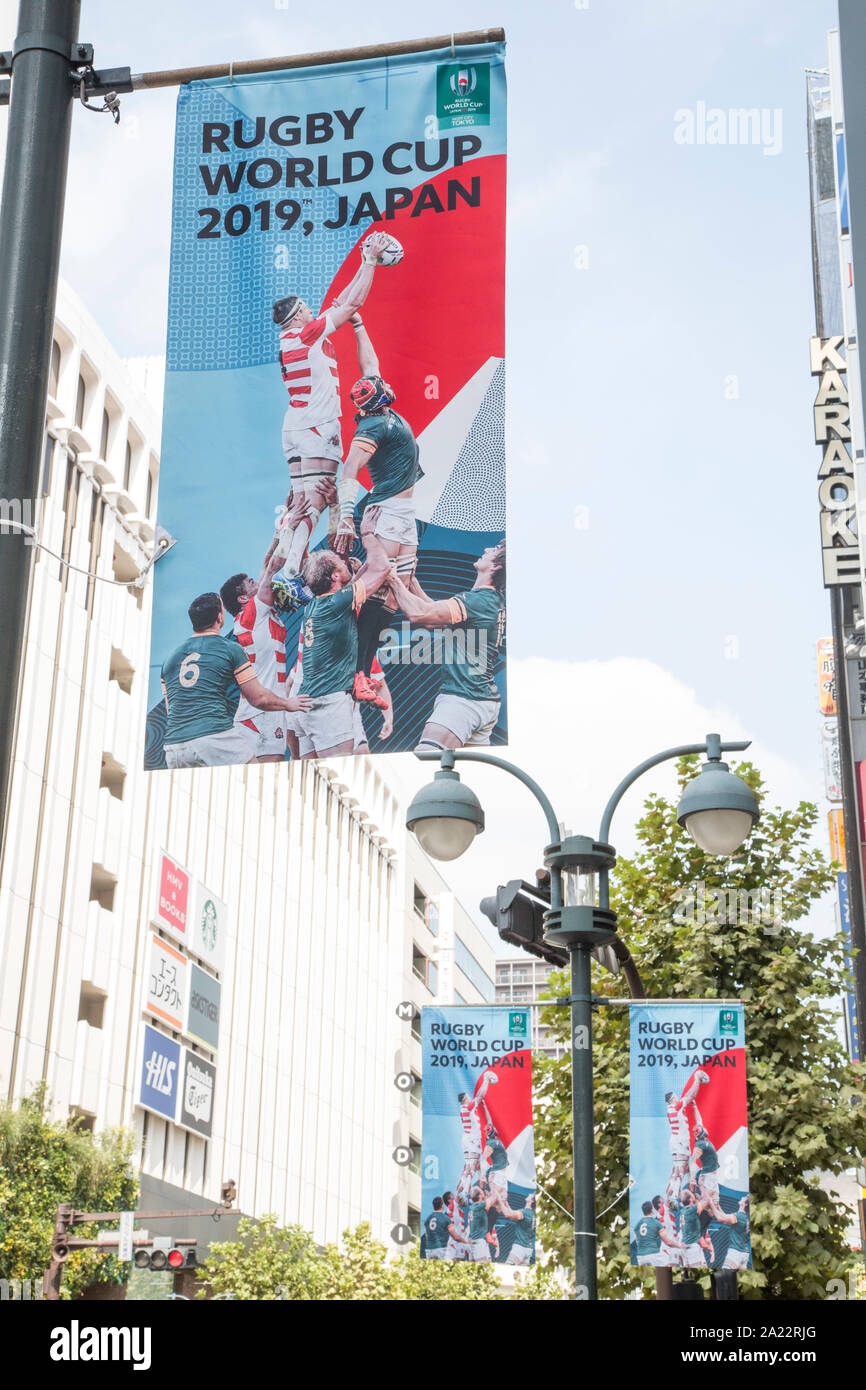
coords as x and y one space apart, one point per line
86 1067
99 941
109 824
119 726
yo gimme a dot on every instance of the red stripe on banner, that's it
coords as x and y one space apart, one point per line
722 1105
861 799
508 1101
461 273
294 355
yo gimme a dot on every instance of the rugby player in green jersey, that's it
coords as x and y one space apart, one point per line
649 1234
738 1250
383 443
197 681
524 1234
690 1232
497 1157
330 656
708 1173
479 1205
437 1228
466 709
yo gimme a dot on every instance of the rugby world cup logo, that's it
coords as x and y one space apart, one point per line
463 82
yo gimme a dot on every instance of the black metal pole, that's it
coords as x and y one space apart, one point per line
850 816
31 220
582 1124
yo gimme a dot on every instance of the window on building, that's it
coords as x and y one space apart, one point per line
502 976
113 776
97 516
413 1221
465 961
414 1164
415 1093
91 1004
519 973
103 887
427 909
82 1119
103 435
54 371
415 1027
520 995
424 969
47 459
152 476
70 509
127 466
80 401
121 670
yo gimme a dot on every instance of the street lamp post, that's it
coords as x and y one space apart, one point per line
718 810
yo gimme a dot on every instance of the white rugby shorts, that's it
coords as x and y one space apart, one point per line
396 521
234 745
268 731
330 722
471 721
316 442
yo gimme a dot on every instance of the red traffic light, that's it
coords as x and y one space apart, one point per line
175 1259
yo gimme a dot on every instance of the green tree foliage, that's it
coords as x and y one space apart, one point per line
269 1262
44 1162
805 1099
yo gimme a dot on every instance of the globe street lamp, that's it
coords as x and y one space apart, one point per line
717 808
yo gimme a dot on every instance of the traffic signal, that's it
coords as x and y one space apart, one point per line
517 913
165 1254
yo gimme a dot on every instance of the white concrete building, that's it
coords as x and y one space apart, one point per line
315 886
520 980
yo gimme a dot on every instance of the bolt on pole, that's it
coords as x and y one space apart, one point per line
31 221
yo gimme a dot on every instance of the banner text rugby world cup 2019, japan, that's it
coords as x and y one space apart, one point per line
333 467
689 1206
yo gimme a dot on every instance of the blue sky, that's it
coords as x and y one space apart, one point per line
662 494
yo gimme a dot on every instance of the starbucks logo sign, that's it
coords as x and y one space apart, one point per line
209 924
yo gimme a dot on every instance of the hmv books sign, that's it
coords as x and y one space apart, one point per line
173 897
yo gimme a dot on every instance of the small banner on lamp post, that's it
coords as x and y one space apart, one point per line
478 1164
689 1206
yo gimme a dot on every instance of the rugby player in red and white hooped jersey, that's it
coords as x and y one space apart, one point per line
680 1141
263 638
311 428
473 1114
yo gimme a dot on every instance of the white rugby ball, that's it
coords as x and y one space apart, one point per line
392 253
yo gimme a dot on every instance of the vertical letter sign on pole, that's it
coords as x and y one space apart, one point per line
478 1166
689 1205
334 399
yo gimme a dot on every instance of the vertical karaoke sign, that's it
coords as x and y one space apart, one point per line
689 1205
334 399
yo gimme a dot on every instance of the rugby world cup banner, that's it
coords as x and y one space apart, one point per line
689 1205
332 466
478 1165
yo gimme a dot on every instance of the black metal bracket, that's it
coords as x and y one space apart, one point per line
568 999
80 54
